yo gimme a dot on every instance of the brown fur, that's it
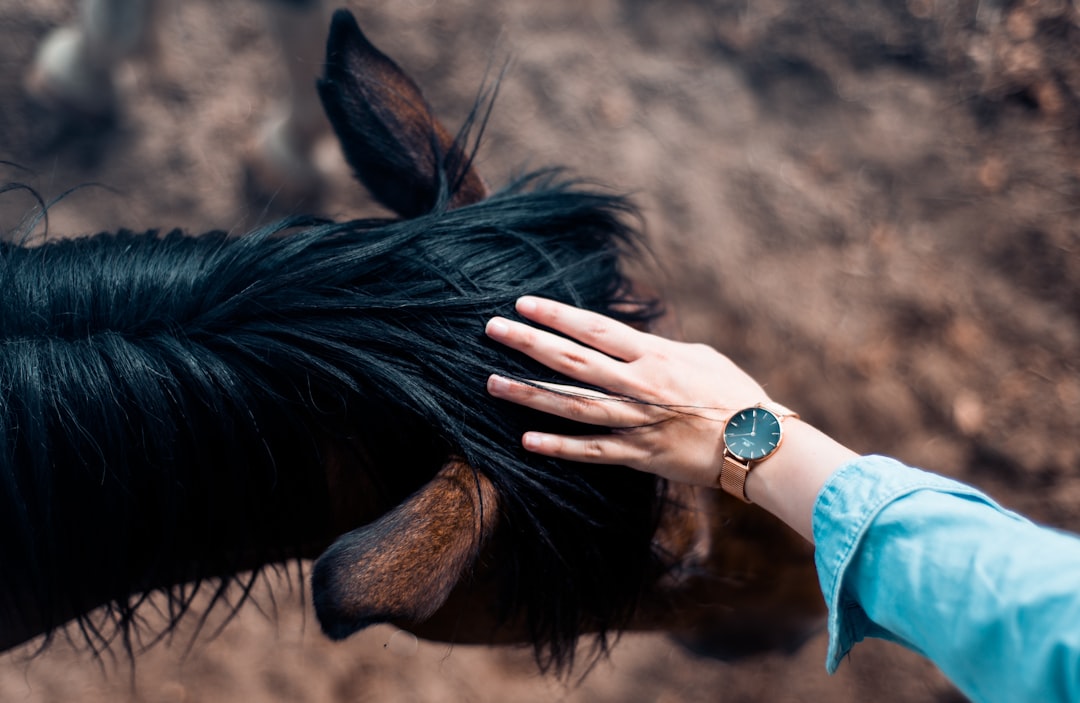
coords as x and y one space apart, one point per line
402 567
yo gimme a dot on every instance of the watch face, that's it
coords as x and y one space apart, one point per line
752 434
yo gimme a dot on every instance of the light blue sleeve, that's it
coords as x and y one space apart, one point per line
992 599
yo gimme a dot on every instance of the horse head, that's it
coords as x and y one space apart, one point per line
447 562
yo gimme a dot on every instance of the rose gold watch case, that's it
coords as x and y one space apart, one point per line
733 472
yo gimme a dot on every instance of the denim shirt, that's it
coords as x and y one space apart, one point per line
934 565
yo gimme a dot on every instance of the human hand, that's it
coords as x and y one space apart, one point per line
668 400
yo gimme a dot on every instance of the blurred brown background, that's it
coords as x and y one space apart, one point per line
871 206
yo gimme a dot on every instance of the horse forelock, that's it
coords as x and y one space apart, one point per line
164 371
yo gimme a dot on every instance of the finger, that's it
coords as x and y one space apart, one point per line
597 331
569 402
559 354
593 449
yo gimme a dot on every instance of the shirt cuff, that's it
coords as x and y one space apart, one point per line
845 508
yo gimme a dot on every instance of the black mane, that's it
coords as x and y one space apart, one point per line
149 379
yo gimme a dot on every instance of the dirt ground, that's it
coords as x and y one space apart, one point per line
872 206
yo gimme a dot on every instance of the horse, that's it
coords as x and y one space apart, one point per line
183 411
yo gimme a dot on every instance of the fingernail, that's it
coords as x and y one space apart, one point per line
532 442
497 384
497 327
526 305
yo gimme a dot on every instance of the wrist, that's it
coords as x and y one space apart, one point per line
787 483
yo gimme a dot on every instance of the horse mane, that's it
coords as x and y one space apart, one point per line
173 376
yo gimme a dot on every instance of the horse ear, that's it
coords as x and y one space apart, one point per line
402 567
393 142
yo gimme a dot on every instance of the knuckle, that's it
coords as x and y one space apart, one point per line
593 448
547 315
573 360
526 337
578 405
597 330
523 392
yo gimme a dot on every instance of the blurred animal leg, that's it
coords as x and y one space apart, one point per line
74 67
281 166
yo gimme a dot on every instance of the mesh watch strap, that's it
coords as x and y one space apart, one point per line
733 478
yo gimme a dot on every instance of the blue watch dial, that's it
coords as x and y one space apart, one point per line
752 434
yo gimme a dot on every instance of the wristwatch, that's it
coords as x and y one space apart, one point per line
750 436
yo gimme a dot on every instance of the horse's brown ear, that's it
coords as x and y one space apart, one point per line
393 142
402 567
